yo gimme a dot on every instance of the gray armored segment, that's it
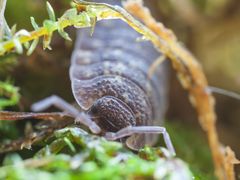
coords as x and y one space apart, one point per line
109 79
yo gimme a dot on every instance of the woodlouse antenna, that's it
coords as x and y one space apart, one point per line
224 92
155 65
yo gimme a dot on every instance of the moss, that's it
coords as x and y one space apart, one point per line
92 158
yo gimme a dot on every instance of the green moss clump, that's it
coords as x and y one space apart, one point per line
74 154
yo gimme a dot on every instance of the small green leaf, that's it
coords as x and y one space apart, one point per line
18 45
69 16
26 45
82 20
50 12
32 47
69 143
93 22
34 24
64 34
13 29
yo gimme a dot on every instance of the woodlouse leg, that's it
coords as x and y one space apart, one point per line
80 117
128 131
57 102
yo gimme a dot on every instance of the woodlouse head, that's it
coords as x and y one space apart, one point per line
112 114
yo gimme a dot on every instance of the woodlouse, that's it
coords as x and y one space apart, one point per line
110 83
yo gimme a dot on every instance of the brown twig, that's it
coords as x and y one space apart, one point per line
9 115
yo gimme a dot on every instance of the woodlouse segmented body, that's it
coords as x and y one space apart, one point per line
111 83
109 79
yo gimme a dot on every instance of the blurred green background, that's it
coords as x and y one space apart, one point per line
210 29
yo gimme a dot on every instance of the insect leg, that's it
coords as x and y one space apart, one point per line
130 130
58 102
